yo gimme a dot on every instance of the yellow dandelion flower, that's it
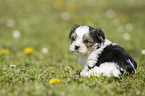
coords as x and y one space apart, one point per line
61 76
28 50
4 51
12 65
54 80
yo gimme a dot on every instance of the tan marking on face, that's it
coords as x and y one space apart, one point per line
91 41
88 37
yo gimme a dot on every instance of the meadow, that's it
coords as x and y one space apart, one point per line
34 48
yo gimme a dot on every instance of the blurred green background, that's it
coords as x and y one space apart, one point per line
46 24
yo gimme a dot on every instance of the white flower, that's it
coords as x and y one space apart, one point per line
65 16
143 52
10 23
12 65
129 26
126 36
45 50
110 13
4 68
16 34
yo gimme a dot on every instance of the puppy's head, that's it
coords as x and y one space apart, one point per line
83 38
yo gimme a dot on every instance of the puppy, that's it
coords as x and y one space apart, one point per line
98 55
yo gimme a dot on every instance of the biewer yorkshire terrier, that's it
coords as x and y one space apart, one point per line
98 55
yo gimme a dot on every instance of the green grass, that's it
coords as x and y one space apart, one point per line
46 24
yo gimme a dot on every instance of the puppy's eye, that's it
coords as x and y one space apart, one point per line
73 39
86 41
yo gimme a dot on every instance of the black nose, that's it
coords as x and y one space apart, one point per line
77 47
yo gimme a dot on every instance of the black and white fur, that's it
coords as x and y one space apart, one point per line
99 55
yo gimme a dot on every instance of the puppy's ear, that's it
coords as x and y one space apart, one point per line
97 34
100 35
72 30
